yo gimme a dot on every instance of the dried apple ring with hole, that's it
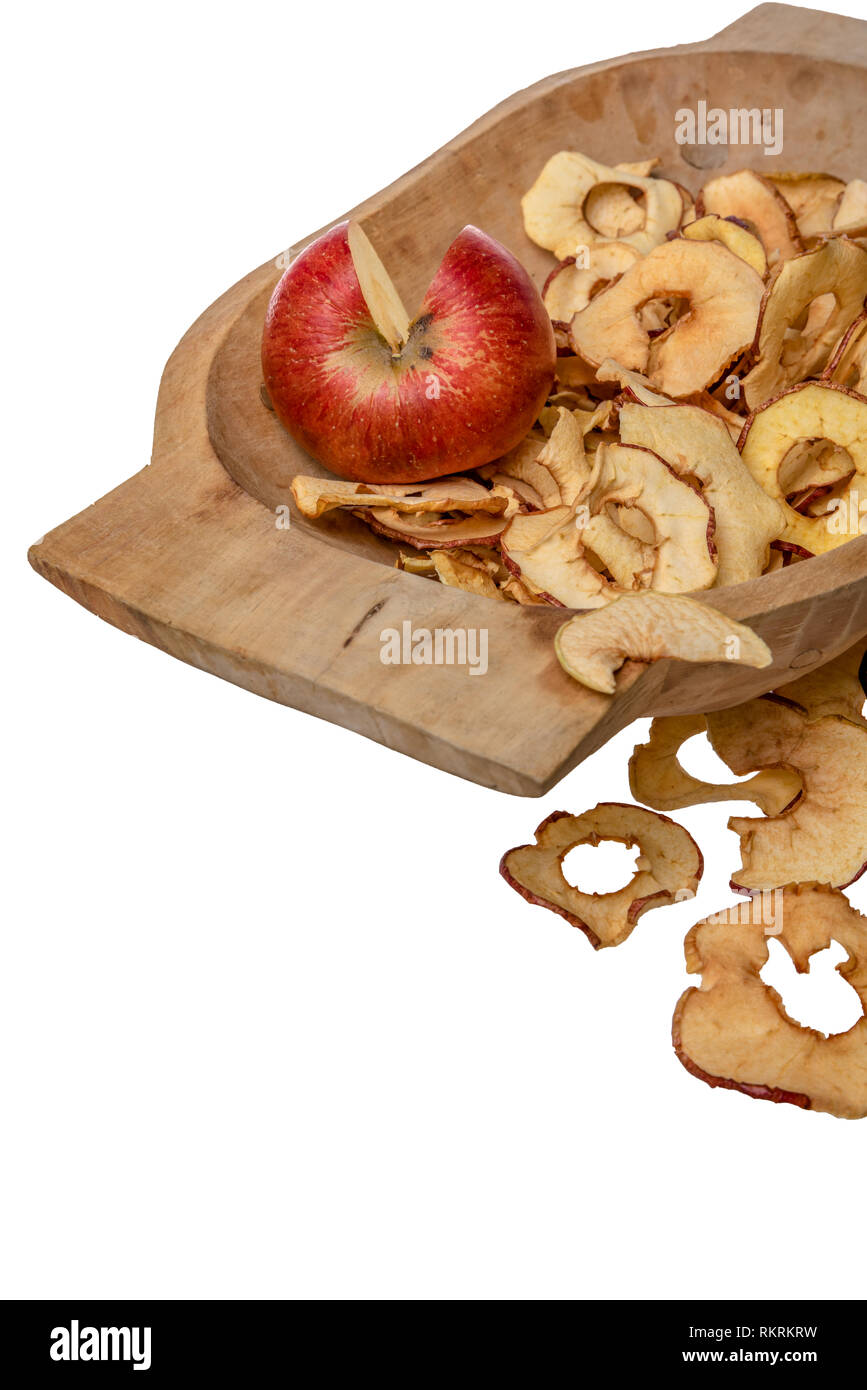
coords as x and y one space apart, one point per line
808 305
734 1032
754 200
822 837
658 779
668 869
557 216
811 411
591 647
572 285
723 293
695 444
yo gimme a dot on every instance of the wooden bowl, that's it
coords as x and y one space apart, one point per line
188 555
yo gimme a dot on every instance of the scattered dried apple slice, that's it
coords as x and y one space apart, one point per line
572 285
848 364
731 234
734 1032
753 199
669 868
657 778
651 627
635 386
790 347
694 443
822 837
556 213
724 296
810 411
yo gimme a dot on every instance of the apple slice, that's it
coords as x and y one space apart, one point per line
573 189
753 199
791 344
731 234
734 1031
695 444
848 364
724 295
650 627
822 837
316 496
811 411
657 778
669 868
813 198
380 398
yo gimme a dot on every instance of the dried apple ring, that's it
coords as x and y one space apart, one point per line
734 1032
754 199
810 411
724 296
834 688
813 198
571 286
834 272
669 868
591 647
657 778
822 837
556 214
694 443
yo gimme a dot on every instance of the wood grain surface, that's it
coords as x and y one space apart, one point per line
188 554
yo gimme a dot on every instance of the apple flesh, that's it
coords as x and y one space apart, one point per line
380 398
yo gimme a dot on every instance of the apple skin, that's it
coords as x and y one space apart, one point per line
466 387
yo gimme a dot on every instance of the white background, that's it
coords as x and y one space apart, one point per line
270 1022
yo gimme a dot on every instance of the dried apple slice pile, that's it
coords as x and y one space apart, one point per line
806 746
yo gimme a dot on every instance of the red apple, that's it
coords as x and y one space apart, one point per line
382 399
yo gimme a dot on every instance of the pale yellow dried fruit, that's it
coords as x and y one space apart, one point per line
555 208
651 627
669 868
848 364
657 778
315 496
545 552
681 519
573 284
754 200
458 574
738 240
811 411
834 688
693 443
724 296
822 837
790 348
734 1031
850 218
813 198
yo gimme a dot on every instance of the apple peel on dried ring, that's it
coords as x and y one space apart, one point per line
657 778
734 1032
669 868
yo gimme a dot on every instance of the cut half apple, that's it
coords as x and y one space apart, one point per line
380 396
